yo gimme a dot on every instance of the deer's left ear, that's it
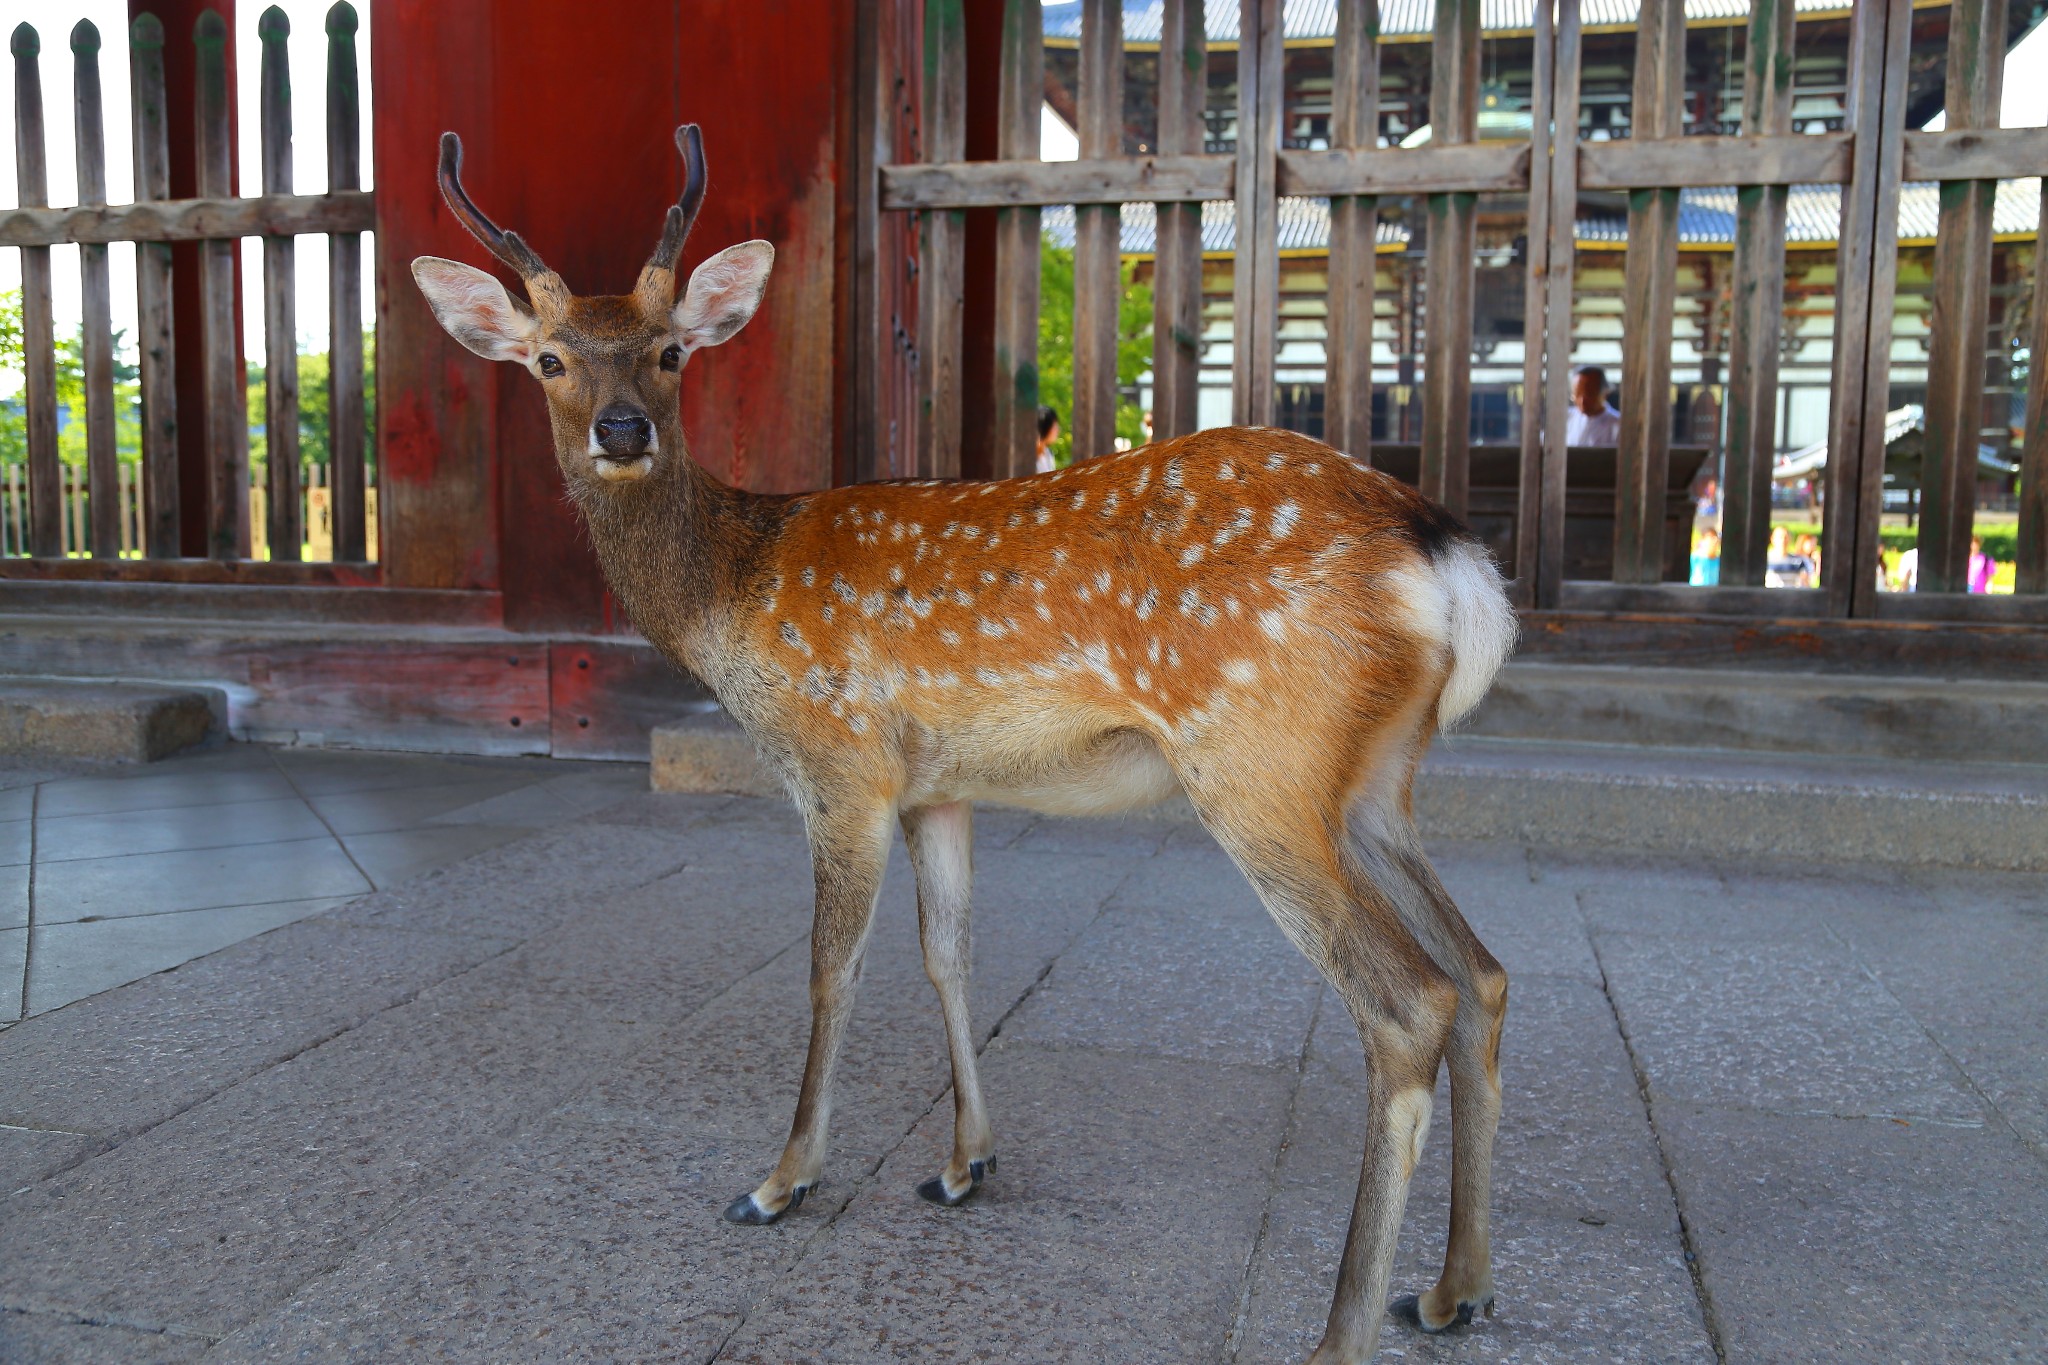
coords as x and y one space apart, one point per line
723 294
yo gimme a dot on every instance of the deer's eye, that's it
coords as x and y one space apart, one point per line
550 365
672 359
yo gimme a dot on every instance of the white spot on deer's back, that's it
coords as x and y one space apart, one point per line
1242 672
1274 624
809 577
1284 517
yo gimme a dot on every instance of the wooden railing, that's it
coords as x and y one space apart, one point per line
216 219
1869 160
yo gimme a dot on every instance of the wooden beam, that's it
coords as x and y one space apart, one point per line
1556 302
38 330
1098 235
1651 271
1255 270
1022 97
1529 474
1453 222
285 525
1866 268
191 220
1962 299
2030 573
103 469
345 415
1110 179
1354 226
1177 266
942 244
158 378
1695 162
1976 154
1477 168
1757 311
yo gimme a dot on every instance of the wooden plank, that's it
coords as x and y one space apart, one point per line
1448 273
1750 159
1098 266
942 243
1177 265
2009 608
1255 292
1021 97
190 220
1354 224
2031 559
1650 274
1961 316
285 529
1757 308
38 331
1867 267
158 379
1940 648
226 414
1535 292
1555 396
1109 179
345 293
1976 154
1488 168
1686 599
96 297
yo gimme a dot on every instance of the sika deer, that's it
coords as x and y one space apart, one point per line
1246 615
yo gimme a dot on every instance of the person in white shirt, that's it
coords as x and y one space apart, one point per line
1592 420
1048 432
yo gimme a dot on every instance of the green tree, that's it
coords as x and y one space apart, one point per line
314 424
1056 344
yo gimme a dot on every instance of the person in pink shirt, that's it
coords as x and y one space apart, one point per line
1982 566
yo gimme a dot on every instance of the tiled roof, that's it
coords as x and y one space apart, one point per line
1310 20
1705 218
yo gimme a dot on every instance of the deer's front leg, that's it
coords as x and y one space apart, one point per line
848 850
941 840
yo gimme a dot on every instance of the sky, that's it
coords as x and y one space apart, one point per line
308 50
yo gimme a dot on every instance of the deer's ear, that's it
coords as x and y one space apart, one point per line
476 310
723 294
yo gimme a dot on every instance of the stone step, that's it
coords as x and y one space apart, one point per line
109 722
1776 712
1735 804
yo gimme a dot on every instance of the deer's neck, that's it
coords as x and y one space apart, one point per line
676 549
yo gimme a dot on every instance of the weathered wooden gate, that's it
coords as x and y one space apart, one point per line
919 84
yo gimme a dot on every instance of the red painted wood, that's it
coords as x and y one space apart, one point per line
187 336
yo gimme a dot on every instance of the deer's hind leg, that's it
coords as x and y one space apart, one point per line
1388 855
1287 839
941 840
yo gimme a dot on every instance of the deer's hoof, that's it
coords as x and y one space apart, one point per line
1408 1309
934 1191
747 1212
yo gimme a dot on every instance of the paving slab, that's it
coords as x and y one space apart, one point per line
195 879
1824 1239
43 1339
62 838
29 1154
1116 1228
16 841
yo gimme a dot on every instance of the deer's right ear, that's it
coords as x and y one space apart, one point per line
476 310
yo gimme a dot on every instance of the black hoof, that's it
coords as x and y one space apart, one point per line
1408 1309
746 1212
933 1191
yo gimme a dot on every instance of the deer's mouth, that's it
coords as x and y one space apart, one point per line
622 471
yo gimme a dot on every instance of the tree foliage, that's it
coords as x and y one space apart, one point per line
1056 345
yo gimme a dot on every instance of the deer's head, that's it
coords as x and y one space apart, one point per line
607 363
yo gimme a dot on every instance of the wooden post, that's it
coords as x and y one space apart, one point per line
38 331
2030 573
1962 301
1098 234
1644 456
942 242
280 312
1448 264
96 296
1255 292
1177 266
1557 302
1529 481
226 415
1866 270
1021 98
345 290
1758 314
1354 227
159 382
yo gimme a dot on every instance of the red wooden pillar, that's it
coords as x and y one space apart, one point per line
567 115
188 336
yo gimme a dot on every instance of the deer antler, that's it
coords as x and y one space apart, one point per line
543 286
657 285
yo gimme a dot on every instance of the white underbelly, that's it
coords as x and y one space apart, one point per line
1119 772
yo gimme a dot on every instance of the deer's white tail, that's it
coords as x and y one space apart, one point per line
1482 626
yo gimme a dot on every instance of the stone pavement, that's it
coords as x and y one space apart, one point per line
492 1113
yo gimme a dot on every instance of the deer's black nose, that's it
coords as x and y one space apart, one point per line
623 432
